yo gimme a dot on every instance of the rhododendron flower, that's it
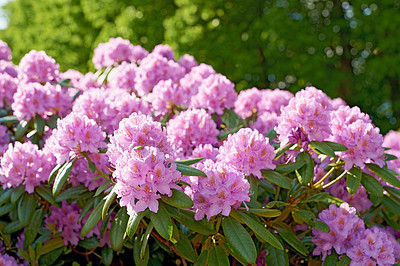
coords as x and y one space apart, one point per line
5 51
137 130
188 62
9 68
206 151
37 66
164 50
191 128
354 130
215 94
6 259
247 151
305 118
8 87
272 101
141 176
247 102
75 134
265 122
115 51
4 139
25 164
123 76
44 100
222 189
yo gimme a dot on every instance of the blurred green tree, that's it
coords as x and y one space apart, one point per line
348 49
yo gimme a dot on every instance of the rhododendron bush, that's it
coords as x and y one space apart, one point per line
160 161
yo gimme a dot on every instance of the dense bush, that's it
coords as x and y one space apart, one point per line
162 162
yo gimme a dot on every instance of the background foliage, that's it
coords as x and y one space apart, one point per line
347 49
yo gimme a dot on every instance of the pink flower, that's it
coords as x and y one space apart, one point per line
5 51
247 151
8 86
247 102
123 76
38 67
188 62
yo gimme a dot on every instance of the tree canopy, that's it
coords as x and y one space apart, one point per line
347 49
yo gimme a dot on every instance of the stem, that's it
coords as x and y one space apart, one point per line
334 181
278 190
320 182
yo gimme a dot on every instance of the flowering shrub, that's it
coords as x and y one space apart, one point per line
154 154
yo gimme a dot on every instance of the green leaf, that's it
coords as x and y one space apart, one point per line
189 171
344 260
7 208
136 252
188 161
236 254
102 187
217 257
46 194
145 239
331 260
187 219
202 259
372 185
231 119
292 240
108 200
93 219
92 167
385 174
86 208
26 208
393 191
178 199
8 119
264 212
392 205
54 172
133 223
52 122
39 124
271 135
321 226
259 229
17 193
51 245
33 227
317 197
162 222
89 243
13 227
336 146
118 228
239 239
185 248
281 150
306 172
21 129
389 157
305 215
353 179
276 256
289 167
5 195
62 177
65 83
224 134
277 178
322 148
106 255
51 257
70 193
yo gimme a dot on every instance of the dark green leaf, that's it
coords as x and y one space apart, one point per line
292 240
26 208
54 172
51 245
224 134
202 259
108 200
239 239
289 167
305 215
39 124
92 166
231 119
234 253
393 191
188 161
189 171
62 177
283 149
336 146
217 257
389 157
353 179
8 119
89 243
33 227
133 223
93 219
344 260
385 174
185 248
322 148
264 212
118 228
46 194
145 239
277 178
321 226
7 208
392 205
331 260
21 129
51 257
276 256
52 122
187 219
17 193
372 185
13 227
70 193
65 83
259 229
106 255
102 187
86 208
5 195
271 135
162 222
137 244
306 172
178 199
318 197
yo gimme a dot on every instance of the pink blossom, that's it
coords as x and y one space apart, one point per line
5 51
8 87
37 66
188 62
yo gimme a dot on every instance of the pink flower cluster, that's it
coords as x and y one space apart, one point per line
392 141
141 176
44 100
247 151
9 68
222 189
4 139
25 164
189 129
8 86
307 114
123 76
192 80
75 134
6 259
37 66
115 51
5 51
349 236
64 220
137 130
354 129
